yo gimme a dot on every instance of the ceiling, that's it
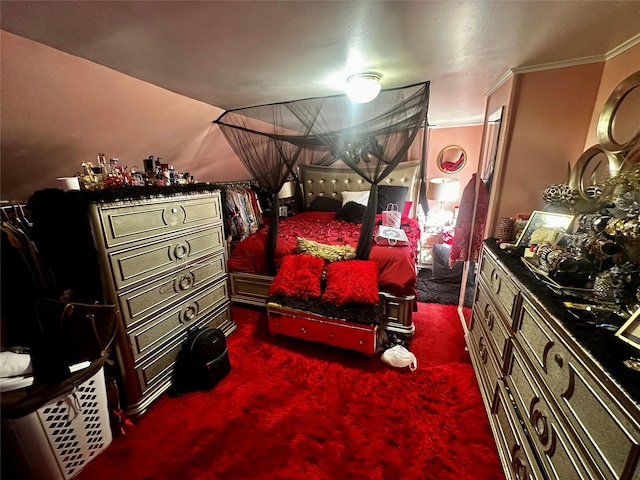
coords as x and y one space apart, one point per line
243 53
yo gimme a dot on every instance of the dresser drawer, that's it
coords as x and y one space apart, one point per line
519 461
133 265
547 432
124 222
162 328
485 312
499 285
608 432
316 328
484 362
159 294
157 370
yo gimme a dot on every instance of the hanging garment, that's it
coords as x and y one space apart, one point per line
467 240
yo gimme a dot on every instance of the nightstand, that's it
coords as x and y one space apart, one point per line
425 255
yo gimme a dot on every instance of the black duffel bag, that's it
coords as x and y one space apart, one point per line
202 362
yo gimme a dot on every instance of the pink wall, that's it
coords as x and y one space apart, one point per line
615 71
548 122
466 137
59 110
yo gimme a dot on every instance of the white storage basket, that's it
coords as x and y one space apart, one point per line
57 440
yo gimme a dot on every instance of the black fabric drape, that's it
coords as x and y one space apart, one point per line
422 193
372 139
268 157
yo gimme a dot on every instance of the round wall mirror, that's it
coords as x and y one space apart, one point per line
619 123
451 159
588 174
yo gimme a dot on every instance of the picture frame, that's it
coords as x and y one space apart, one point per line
630 331
538 219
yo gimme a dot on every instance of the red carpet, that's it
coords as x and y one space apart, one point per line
296 410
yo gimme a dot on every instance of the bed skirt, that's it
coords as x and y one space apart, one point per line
253 289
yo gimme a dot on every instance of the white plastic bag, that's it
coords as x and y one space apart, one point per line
399 356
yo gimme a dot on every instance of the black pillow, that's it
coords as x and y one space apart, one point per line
325 204
351 212
391 194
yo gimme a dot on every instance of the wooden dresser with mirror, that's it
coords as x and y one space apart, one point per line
561 403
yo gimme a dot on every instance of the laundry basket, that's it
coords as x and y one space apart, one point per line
59 438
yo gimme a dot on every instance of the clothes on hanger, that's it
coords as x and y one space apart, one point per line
243 213
469 233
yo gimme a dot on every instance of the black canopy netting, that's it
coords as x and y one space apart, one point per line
371 138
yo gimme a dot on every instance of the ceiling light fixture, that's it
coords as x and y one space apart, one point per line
363 87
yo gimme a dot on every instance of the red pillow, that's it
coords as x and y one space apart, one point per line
352 281
407 209
299 276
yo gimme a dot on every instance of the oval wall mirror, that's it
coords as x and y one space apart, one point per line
451 159
618 126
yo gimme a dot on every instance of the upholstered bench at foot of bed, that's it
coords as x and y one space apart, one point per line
314 327
253 289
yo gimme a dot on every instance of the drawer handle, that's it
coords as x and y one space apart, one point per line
490 321
484 353
519 469
495 281
172 216
185 282
331 335
180 251
303 330
539 422
558 359
189 313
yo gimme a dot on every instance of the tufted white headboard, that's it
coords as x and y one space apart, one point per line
331 181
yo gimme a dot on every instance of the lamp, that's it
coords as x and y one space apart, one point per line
443 190
287 191
363 87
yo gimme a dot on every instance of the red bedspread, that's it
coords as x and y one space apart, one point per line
397 273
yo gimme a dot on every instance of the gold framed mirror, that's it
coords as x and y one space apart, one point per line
618 127
588 174
451 159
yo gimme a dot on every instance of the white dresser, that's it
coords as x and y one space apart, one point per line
163 262
560 403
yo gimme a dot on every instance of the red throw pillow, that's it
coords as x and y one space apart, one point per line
299 276
407 209
352 281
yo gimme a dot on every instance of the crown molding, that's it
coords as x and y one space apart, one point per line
501 81
632 42
562 64
457 124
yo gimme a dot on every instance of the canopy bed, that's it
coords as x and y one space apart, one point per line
250 279
303 140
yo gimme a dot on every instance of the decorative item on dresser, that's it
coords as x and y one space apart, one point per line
162 260
561 401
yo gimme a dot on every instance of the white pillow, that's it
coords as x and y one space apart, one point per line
359 197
